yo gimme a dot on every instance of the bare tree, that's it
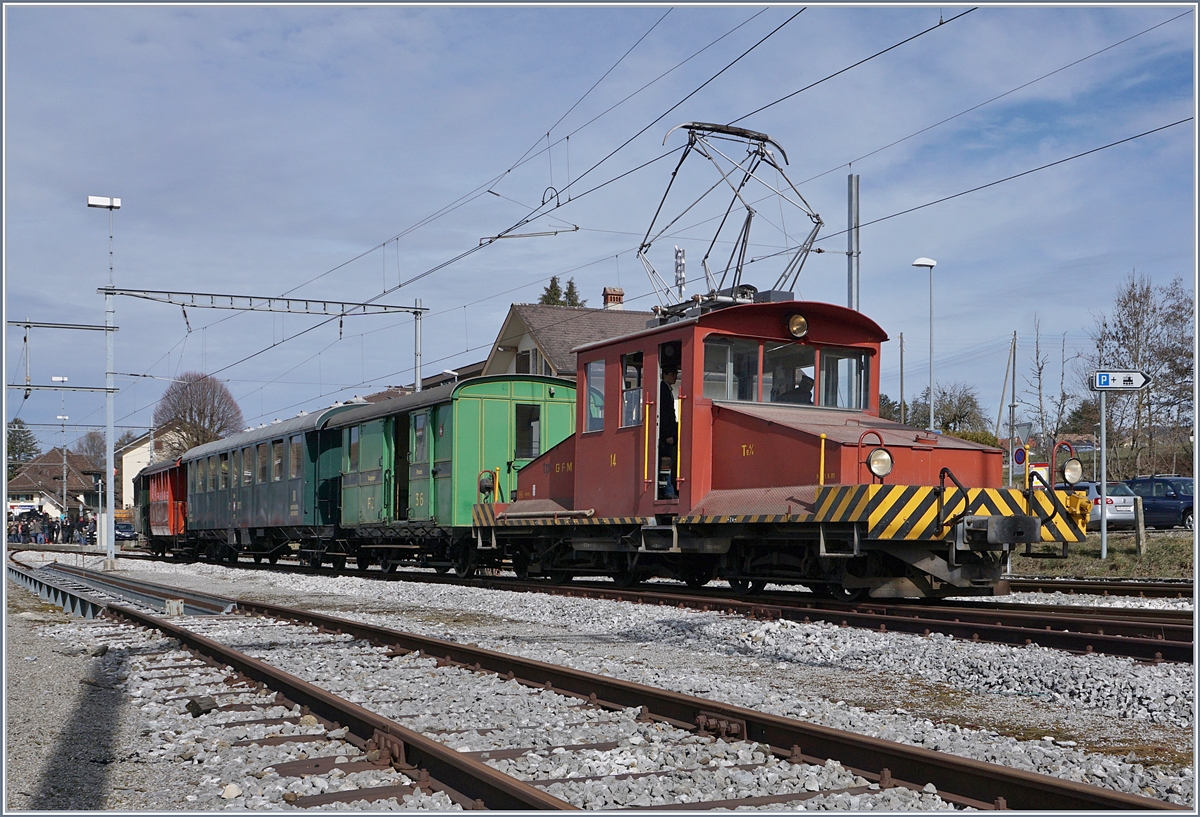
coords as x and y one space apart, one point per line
956 408
1151 330
198 409
1050 408
91 445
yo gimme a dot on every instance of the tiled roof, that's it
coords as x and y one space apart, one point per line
559 329
47 470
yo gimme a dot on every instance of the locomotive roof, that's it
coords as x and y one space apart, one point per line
304 422
155 467
430 397
815 311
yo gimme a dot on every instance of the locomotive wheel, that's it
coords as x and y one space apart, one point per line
561 576
440 569
389 567
847 594
520 565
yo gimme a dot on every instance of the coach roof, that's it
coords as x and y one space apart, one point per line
284 428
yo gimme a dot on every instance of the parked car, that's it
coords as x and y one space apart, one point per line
1120 503
1167 500
125 532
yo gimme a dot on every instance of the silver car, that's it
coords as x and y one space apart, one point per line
1120 503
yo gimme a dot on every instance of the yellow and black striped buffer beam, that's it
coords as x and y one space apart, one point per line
910 512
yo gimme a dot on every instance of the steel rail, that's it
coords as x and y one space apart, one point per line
463 778
960 780
1183 589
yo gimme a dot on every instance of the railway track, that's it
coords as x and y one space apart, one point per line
1150 589
1141 634
436 718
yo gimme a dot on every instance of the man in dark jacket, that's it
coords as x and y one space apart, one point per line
668 430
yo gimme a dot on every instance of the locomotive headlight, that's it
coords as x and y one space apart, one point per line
798 326
1072 471
880 462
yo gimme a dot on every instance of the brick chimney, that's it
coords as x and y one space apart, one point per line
614 298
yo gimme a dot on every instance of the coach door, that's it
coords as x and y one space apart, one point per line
419 498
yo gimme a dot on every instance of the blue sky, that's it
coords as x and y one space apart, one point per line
269 150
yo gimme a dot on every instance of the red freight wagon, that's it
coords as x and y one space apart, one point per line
746 443
164 488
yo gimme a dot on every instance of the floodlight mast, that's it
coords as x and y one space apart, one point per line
701 136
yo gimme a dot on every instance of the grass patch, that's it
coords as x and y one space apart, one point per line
1168 556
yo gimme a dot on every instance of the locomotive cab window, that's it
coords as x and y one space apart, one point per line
788 373
529 435
844 378
730 368
631 390
594 407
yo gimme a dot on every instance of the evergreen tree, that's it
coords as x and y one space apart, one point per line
552 296
22 446
571 296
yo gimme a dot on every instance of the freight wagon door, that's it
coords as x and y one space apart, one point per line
419 504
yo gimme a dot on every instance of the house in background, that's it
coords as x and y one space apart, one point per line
538 338
38 485
136 455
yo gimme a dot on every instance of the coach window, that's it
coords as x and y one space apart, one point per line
263 462
421 437
197 472
730 368
247 465
529 434
631 390
212 473
296 457
594 380
788 370
844 378
352 448
277 461
224 471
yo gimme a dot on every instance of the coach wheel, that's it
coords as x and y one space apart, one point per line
258 558
314 560
848 594
626 578
231 555
463 557
744 587
339 563
441 569
273 558
364 560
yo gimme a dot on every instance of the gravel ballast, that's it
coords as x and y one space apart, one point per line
989 697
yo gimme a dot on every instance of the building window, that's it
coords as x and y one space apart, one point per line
224 471
844 378
547 369
529 434
263 462
730 368
277 461
594 383
631 390
296 457
523 362
247 465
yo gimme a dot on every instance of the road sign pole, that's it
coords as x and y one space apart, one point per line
1103 478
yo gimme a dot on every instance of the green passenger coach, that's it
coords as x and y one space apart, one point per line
413 466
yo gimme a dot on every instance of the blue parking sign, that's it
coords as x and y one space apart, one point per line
1102 379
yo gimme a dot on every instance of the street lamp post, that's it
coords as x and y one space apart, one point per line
109 535
63 417
929 263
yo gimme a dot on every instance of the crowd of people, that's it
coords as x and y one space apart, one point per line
37 528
